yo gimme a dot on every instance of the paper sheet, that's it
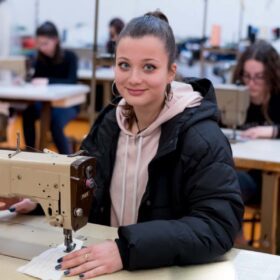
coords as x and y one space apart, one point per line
257 266
43 266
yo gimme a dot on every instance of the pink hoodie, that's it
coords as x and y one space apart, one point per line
135 152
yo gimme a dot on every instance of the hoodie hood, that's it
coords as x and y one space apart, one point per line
208 108
183 97
108 117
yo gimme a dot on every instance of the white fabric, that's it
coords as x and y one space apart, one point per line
43 266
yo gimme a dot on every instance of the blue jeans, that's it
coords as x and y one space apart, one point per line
250 185
59 118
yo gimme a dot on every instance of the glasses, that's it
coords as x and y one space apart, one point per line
257 79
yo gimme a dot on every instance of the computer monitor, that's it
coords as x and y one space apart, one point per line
233 102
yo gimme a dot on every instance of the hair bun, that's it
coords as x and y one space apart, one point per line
158 14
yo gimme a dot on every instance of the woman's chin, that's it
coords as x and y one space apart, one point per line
135 101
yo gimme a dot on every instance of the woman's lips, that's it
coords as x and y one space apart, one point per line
135 92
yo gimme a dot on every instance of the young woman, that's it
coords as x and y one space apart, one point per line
259 69
53 65
165 172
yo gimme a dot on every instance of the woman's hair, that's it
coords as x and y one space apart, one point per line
263 52
151 24
266 54
48 29
117 23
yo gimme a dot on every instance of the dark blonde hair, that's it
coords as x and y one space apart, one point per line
266 54
154 24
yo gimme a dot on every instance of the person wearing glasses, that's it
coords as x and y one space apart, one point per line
259 69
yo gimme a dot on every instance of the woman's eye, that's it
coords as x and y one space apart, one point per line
123 65
149 67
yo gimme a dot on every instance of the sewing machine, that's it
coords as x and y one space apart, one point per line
233 102
62 185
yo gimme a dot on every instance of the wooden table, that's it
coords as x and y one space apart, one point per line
52 95
264 155
31 233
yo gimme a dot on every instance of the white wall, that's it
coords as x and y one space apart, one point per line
186 16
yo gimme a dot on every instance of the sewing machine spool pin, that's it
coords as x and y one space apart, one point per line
18 147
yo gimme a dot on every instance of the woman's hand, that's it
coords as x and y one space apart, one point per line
92 261
19 205
258 132
40 81
6 203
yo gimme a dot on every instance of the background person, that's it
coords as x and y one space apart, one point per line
53 66
115 27
259 69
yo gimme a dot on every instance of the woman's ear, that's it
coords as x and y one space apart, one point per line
172 72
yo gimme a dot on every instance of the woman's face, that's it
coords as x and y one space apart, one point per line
141 72
254 78
113 33
46 45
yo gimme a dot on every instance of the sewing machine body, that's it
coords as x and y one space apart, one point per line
233 102
62 185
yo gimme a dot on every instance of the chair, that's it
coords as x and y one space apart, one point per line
9 67
254 212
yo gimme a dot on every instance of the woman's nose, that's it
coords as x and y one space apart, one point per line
135 76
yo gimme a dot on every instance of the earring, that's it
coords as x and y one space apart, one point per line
115 91
168 93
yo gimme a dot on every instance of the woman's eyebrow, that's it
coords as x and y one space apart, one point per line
150 59
257 73
143 60
122 57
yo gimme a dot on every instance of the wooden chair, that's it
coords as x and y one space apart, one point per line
254 213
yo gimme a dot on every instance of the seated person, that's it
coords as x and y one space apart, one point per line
158 149
115 27
259 69
53 65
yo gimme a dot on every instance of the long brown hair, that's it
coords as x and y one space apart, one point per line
155 24
49 30
266 54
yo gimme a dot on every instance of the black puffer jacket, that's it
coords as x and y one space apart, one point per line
191 210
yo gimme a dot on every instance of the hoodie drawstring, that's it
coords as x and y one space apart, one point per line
135 188
124 180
